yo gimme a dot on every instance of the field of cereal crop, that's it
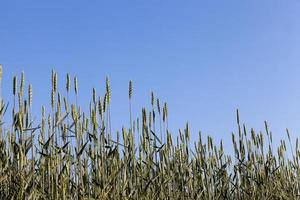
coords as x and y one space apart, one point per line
70 154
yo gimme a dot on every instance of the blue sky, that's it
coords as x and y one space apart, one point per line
205 58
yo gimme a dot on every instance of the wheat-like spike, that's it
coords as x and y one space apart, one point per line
152 99
94 95
76 85
130 111
91 109
30 95
130 89
158 105
52 78
20 100
108 90
144 116
94 120
164 114
20 123
150 119
66 105
59 99
15 83
68 84
105 102
187 129
153 113
100 107
22 83
54 81
166 109
43 124
52 98
237 116
74 113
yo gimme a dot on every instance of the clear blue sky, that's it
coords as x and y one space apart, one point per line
206 58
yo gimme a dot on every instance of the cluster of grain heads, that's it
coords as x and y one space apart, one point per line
71 154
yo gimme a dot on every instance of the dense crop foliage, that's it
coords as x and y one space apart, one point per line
69 154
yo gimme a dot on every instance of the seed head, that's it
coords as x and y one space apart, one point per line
152 98
130 89
68 84
15 83
108 90
22 82
158 105
94 95
54 81
76 85
30 95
